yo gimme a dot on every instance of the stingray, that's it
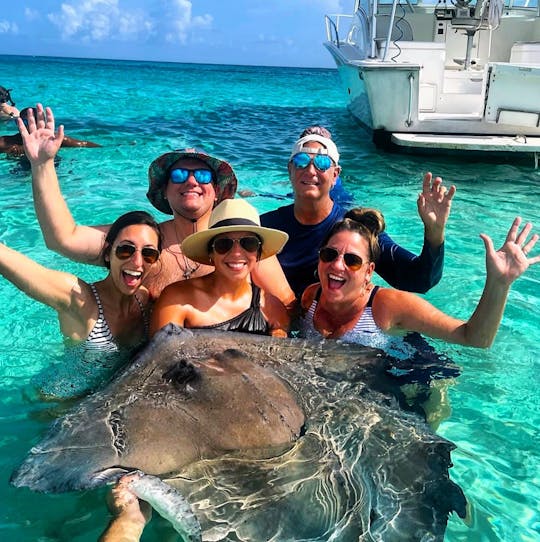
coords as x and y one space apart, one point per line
266 439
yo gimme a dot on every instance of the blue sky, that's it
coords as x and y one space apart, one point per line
257 32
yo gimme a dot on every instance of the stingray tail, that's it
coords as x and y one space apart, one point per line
169 504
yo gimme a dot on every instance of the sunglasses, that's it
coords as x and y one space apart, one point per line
124 252
180 175
225 244
322 162
352 261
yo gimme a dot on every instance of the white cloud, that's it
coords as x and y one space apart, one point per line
7 27
31 14
179 21
101 20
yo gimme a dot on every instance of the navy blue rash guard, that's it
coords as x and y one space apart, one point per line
398 267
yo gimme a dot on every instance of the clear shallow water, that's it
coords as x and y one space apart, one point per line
251 116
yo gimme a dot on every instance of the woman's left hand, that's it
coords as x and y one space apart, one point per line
511 260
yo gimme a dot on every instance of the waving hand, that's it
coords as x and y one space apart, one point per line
41 142
511 260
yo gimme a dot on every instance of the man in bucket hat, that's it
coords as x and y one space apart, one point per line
186 184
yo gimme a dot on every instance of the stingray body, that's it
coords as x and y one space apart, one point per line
268 439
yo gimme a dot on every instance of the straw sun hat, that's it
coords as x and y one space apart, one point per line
233 215
225 181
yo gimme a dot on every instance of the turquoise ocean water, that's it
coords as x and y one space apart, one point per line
251 116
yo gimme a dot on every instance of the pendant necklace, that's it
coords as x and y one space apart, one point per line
187 269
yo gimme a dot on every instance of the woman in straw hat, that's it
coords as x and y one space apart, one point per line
226 299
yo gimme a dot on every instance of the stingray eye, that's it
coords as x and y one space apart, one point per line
182 373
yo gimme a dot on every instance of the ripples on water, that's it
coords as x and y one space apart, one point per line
251 116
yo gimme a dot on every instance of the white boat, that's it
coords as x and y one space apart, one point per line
442 76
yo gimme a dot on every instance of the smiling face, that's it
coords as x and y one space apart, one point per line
129 270
237 263
340 282
190 199
310 182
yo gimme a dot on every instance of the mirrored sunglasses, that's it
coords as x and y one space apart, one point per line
352 261
223 245
322 162
149 254
180 175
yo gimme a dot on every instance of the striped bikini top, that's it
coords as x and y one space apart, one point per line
364 324
101 338
365 331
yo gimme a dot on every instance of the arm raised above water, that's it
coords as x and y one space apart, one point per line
403 269
61 233
397 310
64 292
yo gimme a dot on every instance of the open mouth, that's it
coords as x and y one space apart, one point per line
131 278
335 282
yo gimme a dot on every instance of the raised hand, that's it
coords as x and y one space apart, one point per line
40 141
511 260
434 203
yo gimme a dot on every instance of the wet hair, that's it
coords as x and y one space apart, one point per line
316 130
24 112
5 96
369 223
129 219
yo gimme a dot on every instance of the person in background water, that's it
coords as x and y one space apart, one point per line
226 299
110 314
186 184
346 305
12 145
8 111
313 171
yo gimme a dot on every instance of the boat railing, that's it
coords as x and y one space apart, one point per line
333 24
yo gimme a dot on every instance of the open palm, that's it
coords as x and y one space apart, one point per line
511 260
434 202
40 141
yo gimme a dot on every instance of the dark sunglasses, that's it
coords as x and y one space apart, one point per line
180 175
225 244
124 252
322 162
352 261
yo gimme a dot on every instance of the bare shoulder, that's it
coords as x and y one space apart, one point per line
184 290
391 299
309 295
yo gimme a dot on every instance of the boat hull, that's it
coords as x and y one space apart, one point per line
423 88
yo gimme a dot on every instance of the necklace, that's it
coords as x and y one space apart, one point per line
187 269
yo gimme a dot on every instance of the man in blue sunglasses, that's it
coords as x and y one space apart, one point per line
313 171
186 184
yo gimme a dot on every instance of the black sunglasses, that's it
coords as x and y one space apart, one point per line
150 255
222 245
352 261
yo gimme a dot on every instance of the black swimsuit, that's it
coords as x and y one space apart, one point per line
250 321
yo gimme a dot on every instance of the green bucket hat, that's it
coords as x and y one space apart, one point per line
158 174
